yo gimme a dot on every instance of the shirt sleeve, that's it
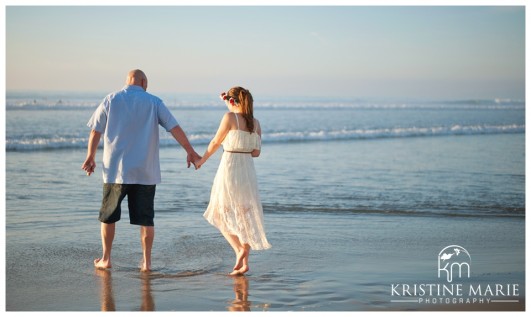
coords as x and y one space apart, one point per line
166 119
98 121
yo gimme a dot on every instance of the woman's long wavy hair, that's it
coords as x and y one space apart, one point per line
244 98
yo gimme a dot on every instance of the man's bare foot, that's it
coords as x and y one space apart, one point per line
145 267
101 264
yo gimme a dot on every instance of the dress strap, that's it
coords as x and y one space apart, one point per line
237 122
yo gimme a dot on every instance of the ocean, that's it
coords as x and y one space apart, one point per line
338 170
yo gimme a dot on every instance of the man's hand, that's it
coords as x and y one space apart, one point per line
199 163
193 158
89 165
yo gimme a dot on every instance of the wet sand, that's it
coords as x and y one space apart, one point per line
494 307
319 262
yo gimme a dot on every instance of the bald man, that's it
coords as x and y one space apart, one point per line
129 121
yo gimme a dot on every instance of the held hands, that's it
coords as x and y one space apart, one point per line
193 158
200 163
90 164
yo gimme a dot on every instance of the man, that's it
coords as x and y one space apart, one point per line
129 120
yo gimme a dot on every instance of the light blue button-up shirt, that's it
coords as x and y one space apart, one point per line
129 123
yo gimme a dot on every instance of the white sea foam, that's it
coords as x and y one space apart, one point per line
80 101
37 122
391 133
54 143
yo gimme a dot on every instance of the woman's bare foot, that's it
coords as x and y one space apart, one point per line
235 273
241 271
101 264
239 260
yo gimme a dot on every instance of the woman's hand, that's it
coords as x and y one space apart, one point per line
192 158
198 163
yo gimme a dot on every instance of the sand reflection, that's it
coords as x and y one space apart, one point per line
148 304
241 292
107 295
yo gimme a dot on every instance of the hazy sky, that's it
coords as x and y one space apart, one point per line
354 51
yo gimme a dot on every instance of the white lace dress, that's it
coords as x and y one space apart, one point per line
235 205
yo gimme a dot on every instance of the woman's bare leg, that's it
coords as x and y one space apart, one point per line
245 263
239 250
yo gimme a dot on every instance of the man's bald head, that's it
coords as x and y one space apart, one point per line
136 77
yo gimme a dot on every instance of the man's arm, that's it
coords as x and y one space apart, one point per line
181 137
90 162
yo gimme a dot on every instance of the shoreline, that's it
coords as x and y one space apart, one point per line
368 254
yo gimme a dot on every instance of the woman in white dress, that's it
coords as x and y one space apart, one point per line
235 207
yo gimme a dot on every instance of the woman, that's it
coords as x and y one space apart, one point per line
235 207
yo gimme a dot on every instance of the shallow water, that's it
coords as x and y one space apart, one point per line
319 262
349 209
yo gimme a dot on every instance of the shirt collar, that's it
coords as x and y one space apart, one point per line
133 87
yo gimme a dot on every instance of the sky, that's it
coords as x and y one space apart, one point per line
386 52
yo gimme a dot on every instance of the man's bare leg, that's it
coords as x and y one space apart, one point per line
107 237
147 235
